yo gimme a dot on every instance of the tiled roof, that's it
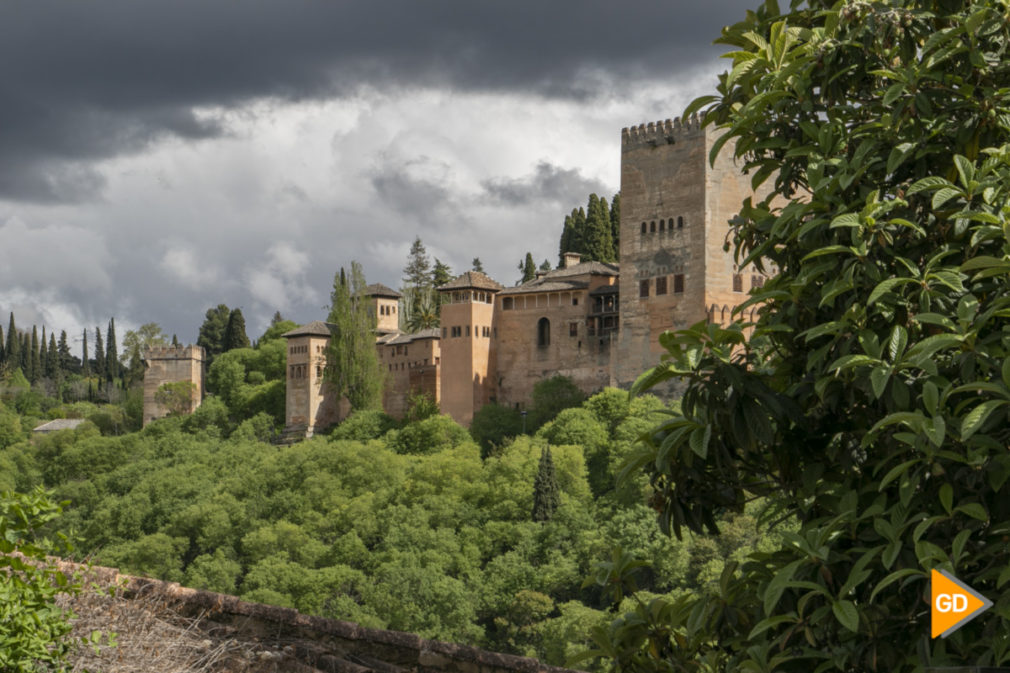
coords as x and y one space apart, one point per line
380 290
605 289
472 279
547 285
59 424
314 328
563 279
404 338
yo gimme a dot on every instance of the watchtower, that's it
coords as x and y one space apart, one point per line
384 304
467 356
171 364
308 407
675 214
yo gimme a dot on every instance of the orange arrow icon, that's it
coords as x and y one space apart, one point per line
953 603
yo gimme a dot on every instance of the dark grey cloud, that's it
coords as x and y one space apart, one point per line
83 81
547 183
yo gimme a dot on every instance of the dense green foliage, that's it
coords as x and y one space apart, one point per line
399 526
34 633
352 364
873 399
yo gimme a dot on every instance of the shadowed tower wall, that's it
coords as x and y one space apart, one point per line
467 368
170 364
675 211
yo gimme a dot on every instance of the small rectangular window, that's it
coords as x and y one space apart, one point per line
507 303
678 283
661 285
643 288
575 301
737 282
468 330
573 329
757 281
443 332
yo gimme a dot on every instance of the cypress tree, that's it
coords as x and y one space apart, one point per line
3 350
26 353
35 364
175 340
111 357
615 224
85 365
212 331
53 359
99 356
12 351
597 243
44 356
546 492
529 268
64 360
234 333
567 239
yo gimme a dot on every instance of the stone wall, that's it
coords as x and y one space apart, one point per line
170 364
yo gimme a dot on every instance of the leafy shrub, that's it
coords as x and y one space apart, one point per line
428 436
364 425
552 396
493 425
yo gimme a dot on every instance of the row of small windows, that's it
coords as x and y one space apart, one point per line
520 303
302 371
303 349
410 365
389 309
664 225
756 280
662 287
478 330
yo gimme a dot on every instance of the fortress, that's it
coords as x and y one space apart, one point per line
597 323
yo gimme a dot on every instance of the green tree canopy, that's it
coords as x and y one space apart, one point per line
352 364
872 399
212 332
234 331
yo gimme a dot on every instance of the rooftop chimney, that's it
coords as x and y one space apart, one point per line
571 259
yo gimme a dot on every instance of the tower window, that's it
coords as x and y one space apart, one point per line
661 285
544 332
573 329
662 225
757 281
652 227
643 288
468 330
507 303
680 221
643 227
737 282
678 283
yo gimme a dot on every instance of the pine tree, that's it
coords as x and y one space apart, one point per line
546 492
615 224
175 339
64 360
477 265
111 357
234 333
352 364
99 356
43 356
441 274
35 365
545 265
13 351
417 273
85 365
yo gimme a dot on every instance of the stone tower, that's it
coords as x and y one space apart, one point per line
467 356
308 407
675 213
384 304
171 364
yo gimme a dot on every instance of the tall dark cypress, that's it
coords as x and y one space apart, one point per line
64 360
234 332
615 224
44 356
3 348
35 364
26 353
111 356
546 492
85 365
529 268
53 364
12 351
99 356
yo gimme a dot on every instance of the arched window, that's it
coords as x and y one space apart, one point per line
544 332
643 227
662 225
652 227
680 221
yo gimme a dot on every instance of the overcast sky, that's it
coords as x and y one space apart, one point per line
160 158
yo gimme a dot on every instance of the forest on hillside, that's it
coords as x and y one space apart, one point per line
408 526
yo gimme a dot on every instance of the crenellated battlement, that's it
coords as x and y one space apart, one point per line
659 133
174 353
